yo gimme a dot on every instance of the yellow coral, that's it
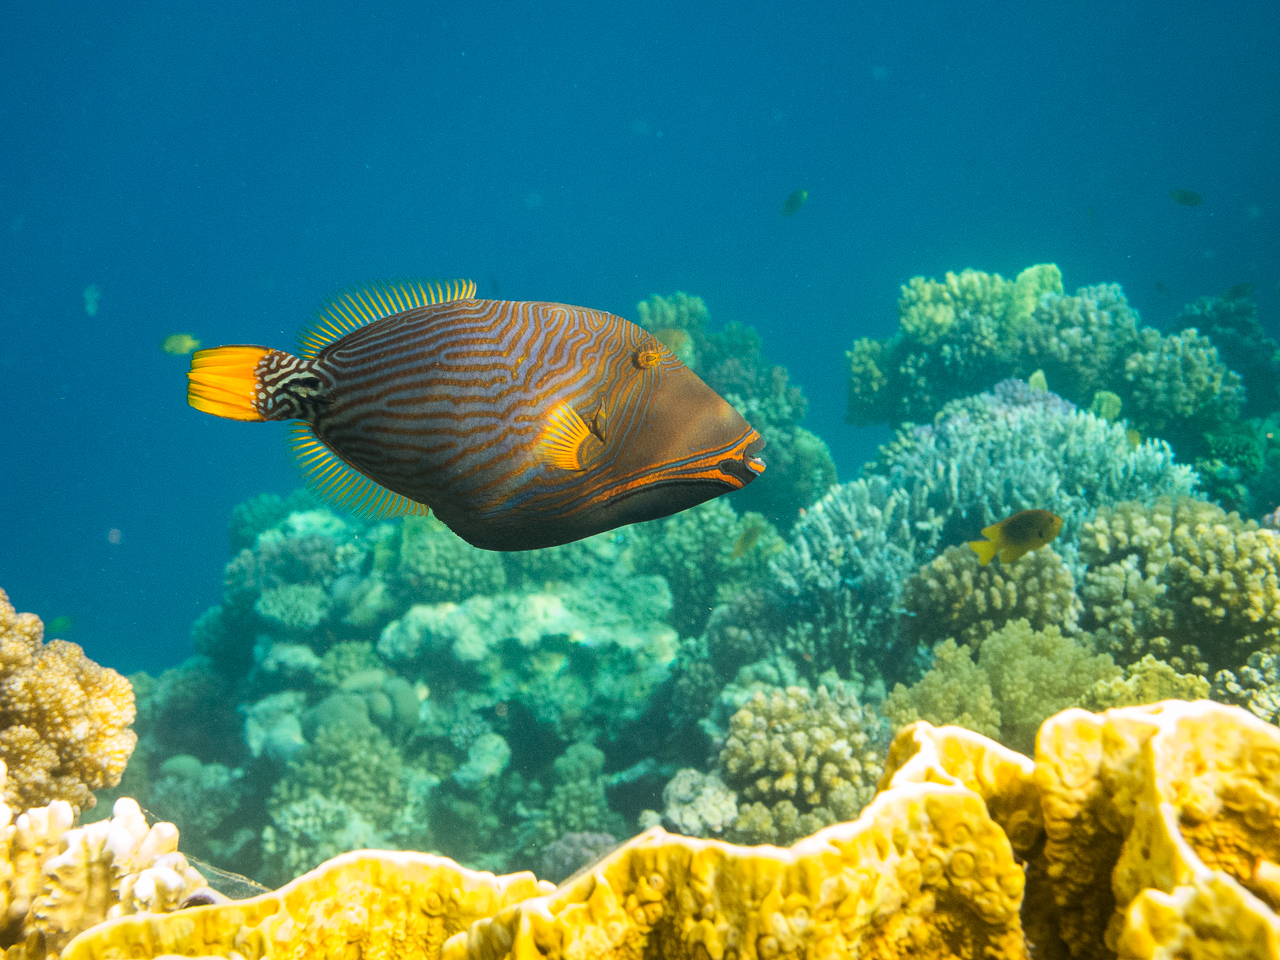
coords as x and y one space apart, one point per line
56 880
1147 681
64 720
924 873
955 691
953 596
799 761
369 904
1163 827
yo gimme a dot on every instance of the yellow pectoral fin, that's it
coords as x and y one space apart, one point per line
563 438
985 549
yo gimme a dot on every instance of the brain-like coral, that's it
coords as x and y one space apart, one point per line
798 761
64 720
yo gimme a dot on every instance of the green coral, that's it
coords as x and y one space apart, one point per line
953 596
708 555
1182 579
954 334
1147 681
1022 677
798 761
577 803
436 565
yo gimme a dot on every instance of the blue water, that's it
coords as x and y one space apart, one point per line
217 168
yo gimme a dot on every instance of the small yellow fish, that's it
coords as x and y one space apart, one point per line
179 344
678 342
1135 438
794 202
1188 198
1013 536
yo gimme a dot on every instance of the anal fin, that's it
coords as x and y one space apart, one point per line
334 480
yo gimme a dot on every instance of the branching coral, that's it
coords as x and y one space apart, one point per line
798 761
64 720
1182 579
437 566
955 334
953 596
707 555
1021 677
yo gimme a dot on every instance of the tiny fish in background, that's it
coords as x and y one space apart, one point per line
794 202
1188 198
1134 438
747 539
1162 290
59 626
521 424
92 296
1238 292
179 344
1016 535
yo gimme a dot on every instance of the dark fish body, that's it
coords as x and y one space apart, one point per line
1016 535
1188 198
1238 291
794 202
521 424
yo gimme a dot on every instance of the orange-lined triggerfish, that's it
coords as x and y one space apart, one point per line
521 424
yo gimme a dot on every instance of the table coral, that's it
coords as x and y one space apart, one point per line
953 596
64 720
798 761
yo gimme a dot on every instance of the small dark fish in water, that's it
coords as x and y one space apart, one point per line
521 424
1238 292
794 202
1188 198
59 625
1163 290
1013 536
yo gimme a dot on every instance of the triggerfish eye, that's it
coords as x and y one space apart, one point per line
521 424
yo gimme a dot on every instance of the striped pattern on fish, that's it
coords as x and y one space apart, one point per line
521 424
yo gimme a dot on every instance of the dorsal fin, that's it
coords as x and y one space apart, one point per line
331 478
356 306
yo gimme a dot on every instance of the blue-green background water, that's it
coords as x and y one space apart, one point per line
216 169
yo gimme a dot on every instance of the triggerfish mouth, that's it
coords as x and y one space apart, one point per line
521 424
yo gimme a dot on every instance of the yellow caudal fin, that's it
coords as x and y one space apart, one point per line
985 549
223 381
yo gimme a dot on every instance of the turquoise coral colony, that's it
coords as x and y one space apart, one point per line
736 670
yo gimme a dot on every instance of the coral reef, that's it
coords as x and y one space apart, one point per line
974 329
64 720
798 762
1181 579
57 880
952 596
1021 677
